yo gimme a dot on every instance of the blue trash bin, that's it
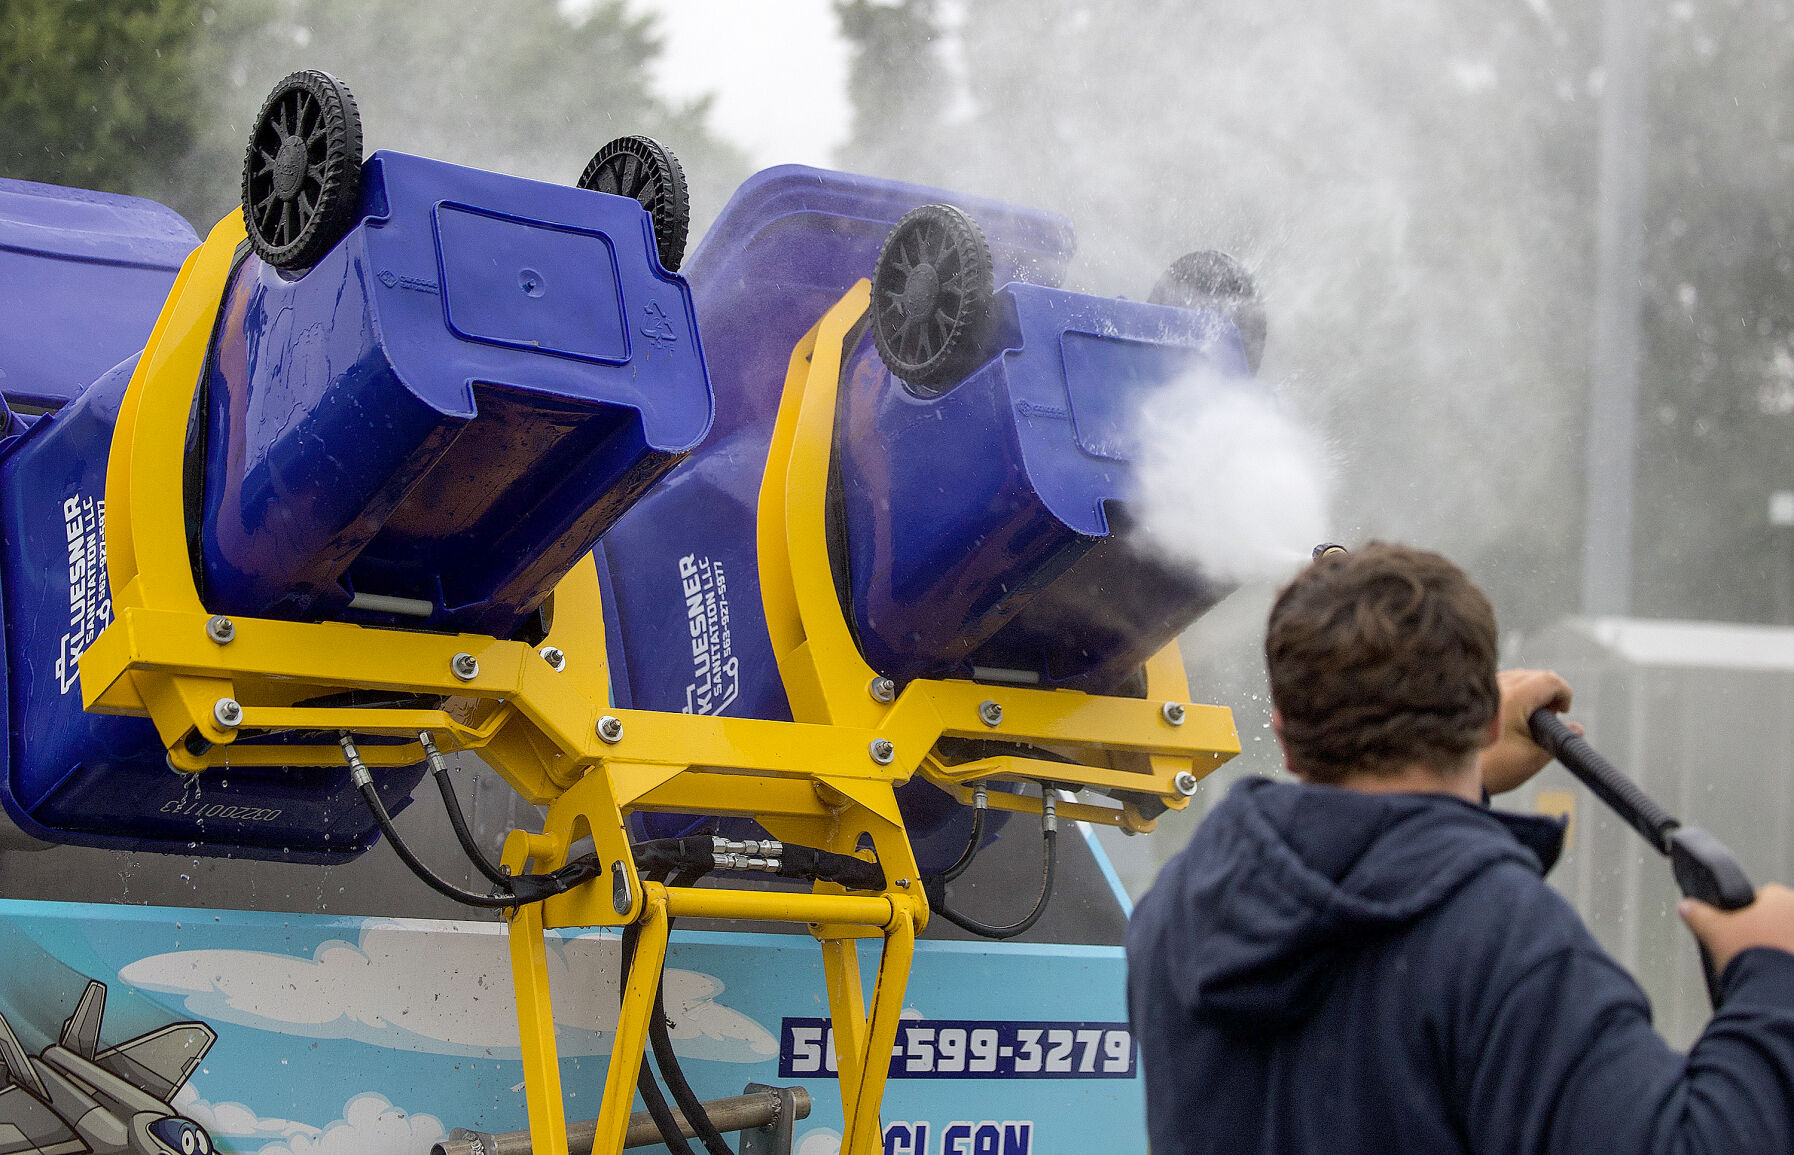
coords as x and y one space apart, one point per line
447 410
979 532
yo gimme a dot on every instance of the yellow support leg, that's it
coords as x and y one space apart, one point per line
535 1028
865 1134
632 1024
847 1010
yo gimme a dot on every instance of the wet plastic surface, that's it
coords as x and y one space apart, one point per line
450 407
100 780
82 278
985 527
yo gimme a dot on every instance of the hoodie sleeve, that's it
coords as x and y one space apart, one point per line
1569 1063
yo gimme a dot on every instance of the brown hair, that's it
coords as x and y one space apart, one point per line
1380 658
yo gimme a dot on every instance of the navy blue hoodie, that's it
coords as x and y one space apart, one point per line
1322 970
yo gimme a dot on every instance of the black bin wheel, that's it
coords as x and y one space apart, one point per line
646 171
1210 279
931 297
302 173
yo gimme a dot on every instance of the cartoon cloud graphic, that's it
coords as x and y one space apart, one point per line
441 988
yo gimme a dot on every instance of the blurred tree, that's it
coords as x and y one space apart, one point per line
528 87
96 93
1717 420
896 83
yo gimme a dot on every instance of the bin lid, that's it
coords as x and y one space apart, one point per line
82 278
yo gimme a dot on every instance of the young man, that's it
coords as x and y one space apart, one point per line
1369 959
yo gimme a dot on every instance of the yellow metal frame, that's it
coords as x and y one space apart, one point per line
821 780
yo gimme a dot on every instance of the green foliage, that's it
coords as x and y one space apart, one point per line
96 93
518 87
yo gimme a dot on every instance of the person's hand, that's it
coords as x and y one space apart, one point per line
1769 921
1514 757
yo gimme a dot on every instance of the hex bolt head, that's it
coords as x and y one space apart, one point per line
555 657
610 729
882 751
882 690
990 713
221 629
1174 713
227 713
465 666
1184 782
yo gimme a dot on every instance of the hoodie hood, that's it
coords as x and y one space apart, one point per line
1284 880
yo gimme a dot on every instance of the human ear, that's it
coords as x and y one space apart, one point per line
1277 729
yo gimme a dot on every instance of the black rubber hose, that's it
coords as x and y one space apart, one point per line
689 1103
645 1082
458 820
938 899
523 888
964 861
698 853
424 874
827 866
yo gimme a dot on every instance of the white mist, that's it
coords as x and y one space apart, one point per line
1226 482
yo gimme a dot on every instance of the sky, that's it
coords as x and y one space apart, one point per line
777 70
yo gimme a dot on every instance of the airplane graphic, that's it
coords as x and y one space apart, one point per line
74 1098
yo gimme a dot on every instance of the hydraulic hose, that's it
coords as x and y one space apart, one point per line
980 805
706 852
1049 836
984 930
524 888
440 771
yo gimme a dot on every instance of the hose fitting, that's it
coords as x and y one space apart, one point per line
358 770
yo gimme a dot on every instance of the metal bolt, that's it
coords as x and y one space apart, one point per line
903 883
610 728
882 751
1184 782
1174 713
557 661
882 690
221 629
990 713
227 713
465 666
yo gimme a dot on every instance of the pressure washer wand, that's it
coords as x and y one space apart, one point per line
1705 868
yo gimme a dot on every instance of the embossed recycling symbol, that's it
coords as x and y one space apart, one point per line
659 327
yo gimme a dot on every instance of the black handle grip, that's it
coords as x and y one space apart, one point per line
1603 777
1705 868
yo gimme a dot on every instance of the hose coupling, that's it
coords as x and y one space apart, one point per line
358 770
